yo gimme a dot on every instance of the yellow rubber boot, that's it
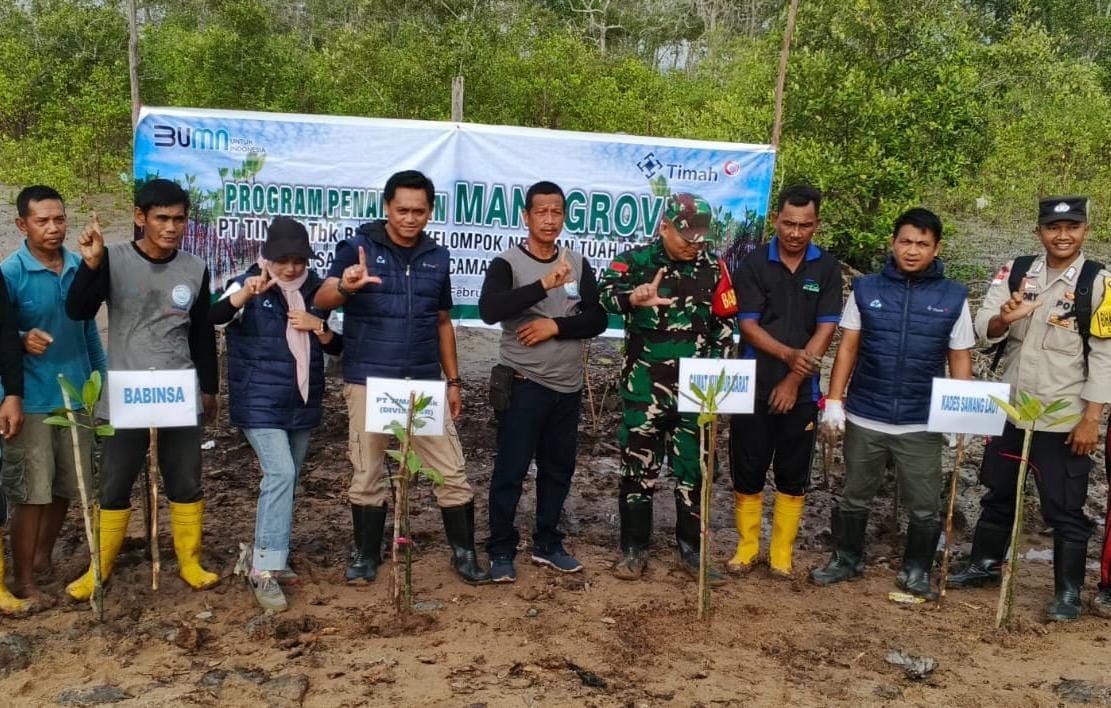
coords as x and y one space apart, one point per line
749 511
9 603
185 520
113 528
785 527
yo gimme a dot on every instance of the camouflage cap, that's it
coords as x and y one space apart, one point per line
691 215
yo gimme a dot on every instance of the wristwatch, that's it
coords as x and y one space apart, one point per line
457 382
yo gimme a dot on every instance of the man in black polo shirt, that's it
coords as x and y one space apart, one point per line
789 292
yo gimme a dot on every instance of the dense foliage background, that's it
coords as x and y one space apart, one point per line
968 105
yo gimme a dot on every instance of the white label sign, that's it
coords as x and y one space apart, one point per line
160 399
958 406
387 400
740 383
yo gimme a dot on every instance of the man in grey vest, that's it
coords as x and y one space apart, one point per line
546 299
158 300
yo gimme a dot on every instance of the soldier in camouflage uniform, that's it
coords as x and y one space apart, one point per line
663 290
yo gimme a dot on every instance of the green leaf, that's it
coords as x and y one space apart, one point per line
90 392
422 403
104 431
432 476
1010 410
1024 398
59 421
1059 405
705 418
397 429
70 389
395 455
690 398
1063 420
418 423
698 392
413 462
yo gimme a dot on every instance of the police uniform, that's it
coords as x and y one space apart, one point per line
655 339
1045 358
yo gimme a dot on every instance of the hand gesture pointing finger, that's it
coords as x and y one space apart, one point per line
356 276
258 284
647 295
560 274
91 243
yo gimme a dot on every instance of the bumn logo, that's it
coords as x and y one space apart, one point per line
649 165
166 136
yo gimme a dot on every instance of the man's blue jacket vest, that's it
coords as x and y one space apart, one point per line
906 321
262 375
390 330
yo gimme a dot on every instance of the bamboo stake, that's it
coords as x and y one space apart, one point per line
589 387
781 77
90 514
946 554
133 61
704 521
1007 589
146 509
403 576
152 491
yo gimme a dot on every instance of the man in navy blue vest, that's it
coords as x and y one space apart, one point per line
899 328
393 283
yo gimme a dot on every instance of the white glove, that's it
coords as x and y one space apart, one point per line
833 418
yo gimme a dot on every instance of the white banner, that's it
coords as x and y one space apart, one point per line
244 168
959 406
387 400
738 393
160 399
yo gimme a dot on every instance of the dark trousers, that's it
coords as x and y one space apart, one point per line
784 441
1105 557
1061 476
125 454
539 423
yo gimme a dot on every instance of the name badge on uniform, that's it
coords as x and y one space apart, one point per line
571 290
1030 289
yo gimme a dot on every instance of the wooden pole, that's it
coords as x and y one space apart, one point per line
1007 587
949 521
90 514
457 99
781 78
133 61
708 431
152 490
402 546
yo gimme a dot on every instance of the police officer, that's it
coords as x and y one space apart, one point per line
1044 356
790 299
663 290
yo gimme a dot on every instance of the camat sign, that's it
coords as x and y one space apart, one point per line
243 169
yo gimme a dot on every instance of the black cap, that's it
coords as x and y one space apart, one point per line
286 238
1053 209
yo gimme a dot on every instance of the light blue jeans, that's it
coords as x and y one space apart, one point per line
281 454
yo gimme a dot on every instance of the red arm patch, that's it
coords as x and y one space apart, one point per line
619 267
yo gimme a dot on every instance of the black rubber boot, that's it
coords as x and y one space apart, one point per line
989 548
1069 559
848 554
636 534
918 560
369 523
459 527
688 531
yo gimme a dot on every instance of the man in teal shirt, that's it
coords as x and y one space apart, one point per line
40 476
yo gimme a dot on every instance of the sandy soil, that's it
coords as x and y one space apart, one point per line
584 639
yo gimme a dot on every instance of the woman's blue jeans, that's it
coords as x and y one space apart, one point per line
281 454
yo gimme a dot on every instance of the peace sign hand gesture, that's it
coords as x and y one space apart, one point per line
258 284
647 294
356 276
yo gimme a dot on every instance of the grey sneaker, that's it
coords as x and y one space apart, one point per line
502 569
558 559
268 593
286 577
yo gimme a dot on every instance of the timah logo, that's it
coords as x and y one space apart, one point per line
649 165
166 136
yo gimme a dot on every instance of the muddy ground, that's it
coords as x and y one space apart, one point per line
584 639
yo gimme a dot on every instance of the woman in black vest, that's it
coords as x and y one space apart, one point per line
275 386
